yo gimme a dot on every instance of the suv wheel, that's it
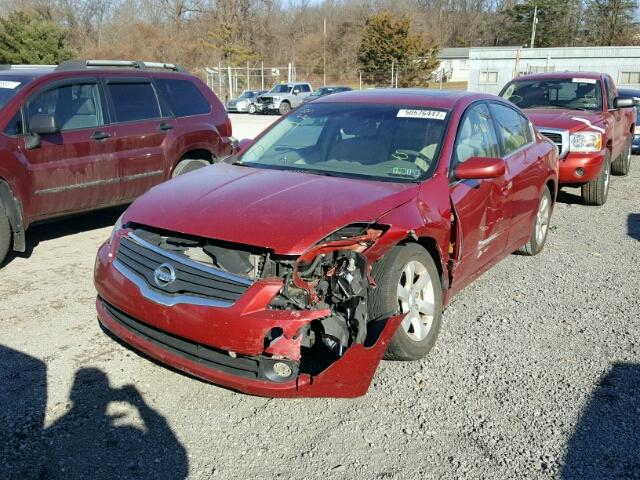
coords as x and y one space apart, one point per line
596 191
5 237
285 107
621 165
187 165
252 109
408 282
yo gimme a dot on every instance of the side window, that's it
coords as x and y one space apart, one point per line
134 101
304 88
476 136
609 91
184 97
513 128
74 106
14 127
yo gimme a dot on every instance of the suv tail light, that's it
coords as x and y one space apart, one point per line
227 128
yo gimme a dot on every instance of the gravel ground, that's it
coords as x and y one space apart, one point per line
536 374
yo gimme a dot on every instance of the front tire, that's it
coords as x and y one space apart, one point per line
596 191
252 109
538 237
285 107
622 164
408 283
5 237
187 165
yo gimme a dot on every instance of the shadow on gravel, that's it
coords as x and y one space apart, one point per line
606 443
66 226
570 196
108 433
633 225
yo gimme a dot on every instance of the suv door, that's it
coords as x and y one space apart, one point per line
74 169
523 159
140 131
479 204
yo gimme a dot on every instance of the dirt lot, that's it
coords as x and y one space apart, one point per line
536 375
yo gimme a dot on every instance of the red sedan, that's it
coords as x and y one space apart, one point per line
332 240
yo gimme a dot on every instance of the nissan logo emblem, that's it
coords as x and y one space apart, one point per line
164 275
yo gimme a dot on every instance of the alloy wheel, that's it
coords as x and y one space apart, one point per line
416 299
542 219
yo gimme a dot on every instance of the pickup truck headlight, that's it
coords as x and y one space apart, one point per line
276 99
585 142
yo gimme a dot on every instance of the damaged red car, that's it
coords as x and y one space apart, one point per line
332 240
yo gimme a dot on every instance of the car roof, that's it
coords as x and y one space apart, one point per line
560 76
423 97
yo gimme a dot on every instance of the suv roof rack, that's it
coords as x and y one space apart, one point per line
86 64
24 67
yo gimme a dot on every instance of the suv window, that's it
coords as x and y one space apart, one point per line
134 101
476 137
74 106
513 128
185 98
303 87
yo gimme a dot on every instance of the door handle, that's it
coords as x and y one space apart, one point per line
164 126
100 135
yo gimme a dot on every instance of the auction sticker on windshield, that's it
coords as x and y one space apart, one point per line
8 84
427 114
583 80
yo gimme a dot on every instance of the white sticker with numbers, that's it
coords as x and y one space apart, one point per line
426 114
8 84
584 80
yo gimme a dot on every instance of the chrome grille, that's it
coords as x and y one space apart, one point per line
559 137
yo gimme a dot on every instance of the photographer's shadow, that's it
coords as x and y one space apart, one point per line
108 433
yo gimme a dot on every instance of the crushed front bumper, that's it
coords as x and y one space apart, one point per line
226 346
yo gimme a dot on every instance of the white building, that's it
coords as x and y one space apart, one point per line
454 65
489 69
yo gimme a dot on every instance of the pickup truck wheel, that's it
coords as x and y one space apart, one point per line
621 165
596 191
408 282
188 165
538 237
252 109
285 107
5 237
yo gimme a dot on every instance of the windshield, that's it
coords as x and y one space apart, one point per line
281 89
9 86
323 91
248 94
380 142
570 93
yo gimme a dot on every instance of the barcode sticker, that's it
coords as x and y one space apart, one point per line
8 84
426 114
583 80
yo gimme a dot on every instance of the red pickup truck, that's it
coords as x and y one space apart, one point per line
590 124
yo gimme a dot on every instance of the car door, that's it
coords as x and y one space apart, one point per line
141 130
479 205
73 169
523 161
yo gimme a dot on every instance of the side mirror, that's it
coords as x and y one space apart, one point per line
296 91
623 102
43 124
480 168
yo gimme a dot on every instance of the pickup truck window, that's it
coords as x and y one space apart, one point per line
569 93
610 93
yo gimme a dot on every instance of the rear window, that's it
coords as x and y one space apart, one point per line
184 97
134 101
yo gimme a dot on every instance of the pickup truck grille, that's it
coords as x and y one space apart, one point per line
192 283
265 99
559 137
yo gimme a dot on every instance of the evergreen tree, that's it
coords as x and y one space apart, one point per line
27 38
387 41
615 22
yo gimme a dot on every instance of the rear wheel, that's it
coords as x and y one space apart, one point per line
285 107
596 191
408 283
540 229
188 165
621 165
5 236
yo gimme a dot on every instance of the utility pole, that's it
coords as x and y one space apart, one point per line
262 75
324 53
360 80
248 87
393 64
533 27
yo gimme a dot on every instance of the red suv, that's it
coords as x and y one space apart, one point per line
337 236
91 134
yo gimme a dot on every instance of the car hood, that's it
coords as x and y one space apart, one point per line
287 212
563 119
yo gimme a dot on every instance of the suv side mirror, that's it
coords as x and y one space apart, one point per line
296 91
623 102
480 168
43 124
